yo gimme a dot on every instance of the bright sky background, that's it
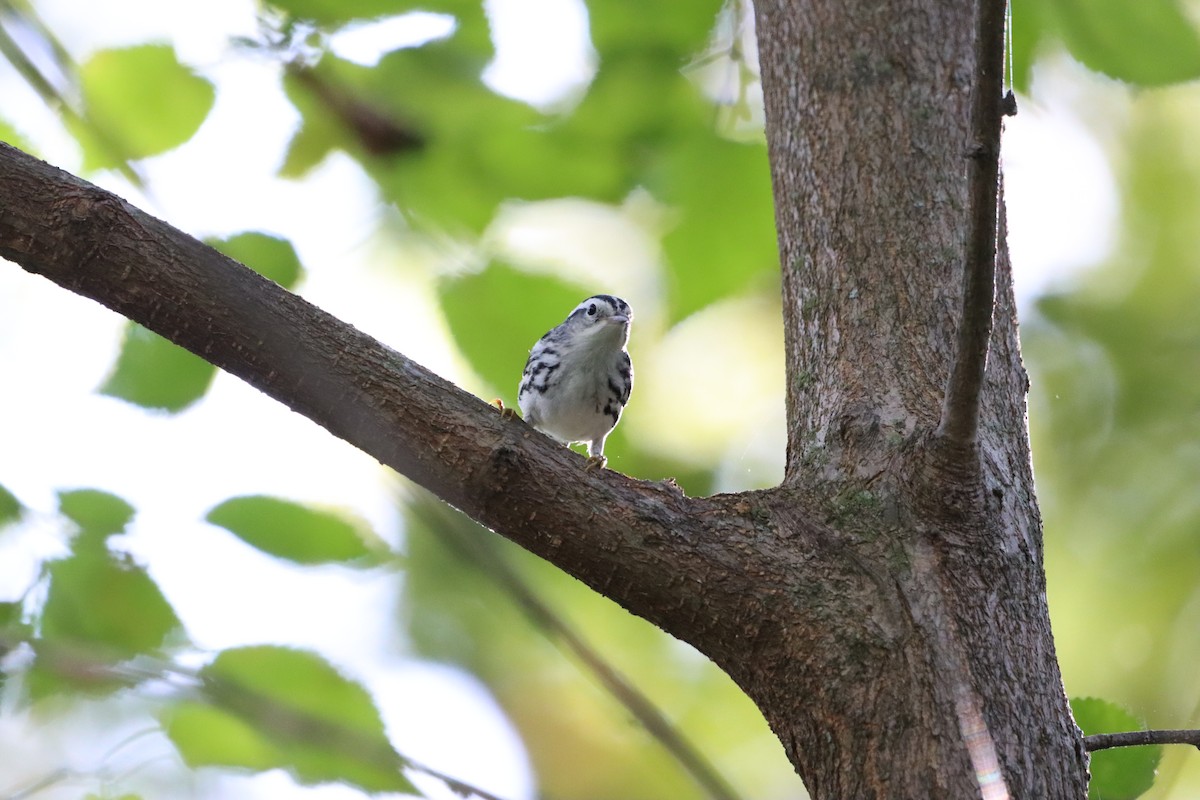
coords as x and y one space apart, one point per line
55 348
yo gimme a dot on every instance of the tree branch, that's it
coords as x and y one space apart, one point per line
51 96
960 411
1105 741
642 544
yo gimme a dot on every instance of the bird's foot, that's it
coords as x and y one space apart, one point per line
505 411
596 462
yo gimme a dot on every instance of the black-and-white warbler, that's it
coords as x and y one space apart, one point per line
579 376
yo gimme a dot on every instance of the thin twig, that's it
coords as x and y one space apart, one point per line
480 552
28 15
1104 741
54 99
454 784
960 413
41 784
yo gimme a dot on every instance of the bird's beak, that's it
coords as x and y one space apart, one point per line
621 319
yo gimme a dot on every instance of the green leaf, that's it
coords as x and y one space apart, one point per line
97 513
479 311
471 31
1028 21
12 630
12 136
154 373
209 737
678 29
10 614
297 533
637 107
320 131
337 12
1120 773
325 727
1147 42
458 178
270 256
724 241
477 148
108 604
316 137
10 507
138 102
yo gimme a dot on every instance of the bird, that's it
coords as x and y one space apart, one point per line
579 376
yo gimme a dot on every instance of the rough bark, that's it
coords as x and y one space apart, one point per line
869 110
884 606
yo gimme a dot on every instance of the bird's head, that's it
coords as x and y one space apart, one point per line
602 318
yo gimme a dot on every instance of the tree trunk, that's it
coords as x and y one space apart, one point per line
885 606
936 675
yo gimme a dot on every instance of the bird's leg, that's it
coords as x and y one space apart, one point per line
596 453
505 411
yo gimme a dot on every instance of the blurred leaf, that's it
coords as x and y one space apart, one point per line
373 128
270 256
337 12
471 149
462 174
679 30
479 149
108 604
320 131
636 108
471 30
580 738
139 101
1121 773
325 727
209 737
12 631
297 533
98 514
455 613
10 507
1028 24
537 165
1132 326
10 614
10 135
1147 42
154 373
724 240
1113 416
480 310
314 139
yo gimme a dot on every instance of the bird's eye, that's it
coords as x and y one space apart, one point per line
592 310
